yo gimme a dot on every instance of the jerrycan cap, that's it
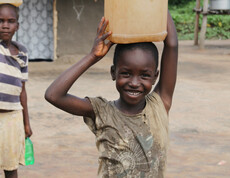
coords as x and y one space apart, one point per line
16 3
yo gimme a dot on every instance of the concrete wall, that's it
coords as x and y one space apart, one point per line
76 36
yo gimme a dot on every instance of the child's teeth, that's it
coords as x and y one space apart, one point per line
134 93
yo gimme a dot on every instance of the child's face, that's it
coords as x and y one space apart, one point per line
134 74
8 23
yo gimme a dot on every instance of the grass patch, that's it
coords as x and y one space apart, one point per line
218 26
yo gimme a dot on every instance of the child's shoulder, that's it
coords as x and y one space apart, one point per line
98 101
102 105
154 100
154 96
20 46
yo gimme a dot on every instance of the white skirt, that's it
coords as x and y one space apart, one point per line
12 140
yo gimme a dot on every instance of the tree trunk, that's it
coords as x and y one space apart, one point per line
196 30
204 24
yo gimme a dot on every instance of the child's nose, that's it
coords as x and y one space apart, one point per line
135 82
5 25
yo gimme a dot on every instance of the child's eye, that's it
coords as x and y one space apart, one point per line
145 76
12 21
125 74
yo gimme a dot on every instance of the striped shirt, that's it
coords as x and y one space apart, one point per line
13 71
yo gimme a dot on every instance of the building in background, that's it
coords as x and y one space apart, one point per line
54 28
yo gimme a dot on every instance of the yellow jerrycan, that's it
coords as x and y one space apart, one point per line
16 3
134 21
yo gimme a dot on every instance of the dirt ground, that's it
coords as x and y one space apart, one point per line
199 119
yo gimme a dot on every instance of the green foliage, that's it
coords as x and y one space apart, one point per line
218 26
178 2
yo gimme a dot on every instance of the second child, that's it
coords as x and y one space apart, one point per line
14 117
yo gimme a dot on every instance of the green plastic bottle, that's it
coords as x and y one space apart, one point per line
29 152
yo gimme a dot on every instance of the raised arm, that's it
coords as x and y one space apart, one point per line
168 72
57 92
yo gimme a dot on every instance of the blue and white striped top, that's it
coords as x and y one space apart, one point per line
13 71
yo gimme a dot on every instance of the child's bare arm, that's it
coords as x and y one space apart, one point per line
23 99
57 93
168 71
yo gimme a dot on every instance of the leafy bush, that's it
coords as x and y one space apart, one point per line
218 26
178 2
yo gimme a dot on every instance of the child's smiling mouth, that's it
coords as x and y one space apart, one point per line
133 93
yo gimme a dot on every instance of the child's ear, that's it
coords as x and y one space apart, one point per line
155 76
17 26
112 72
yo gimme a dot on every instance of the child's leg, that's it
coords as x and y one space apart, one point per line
11 174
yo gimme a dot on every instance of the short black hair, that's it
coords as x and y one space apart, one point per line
148 46
14 7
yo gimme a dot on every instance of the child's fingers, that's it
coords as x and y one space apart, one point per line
103 27
100 24
106 35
